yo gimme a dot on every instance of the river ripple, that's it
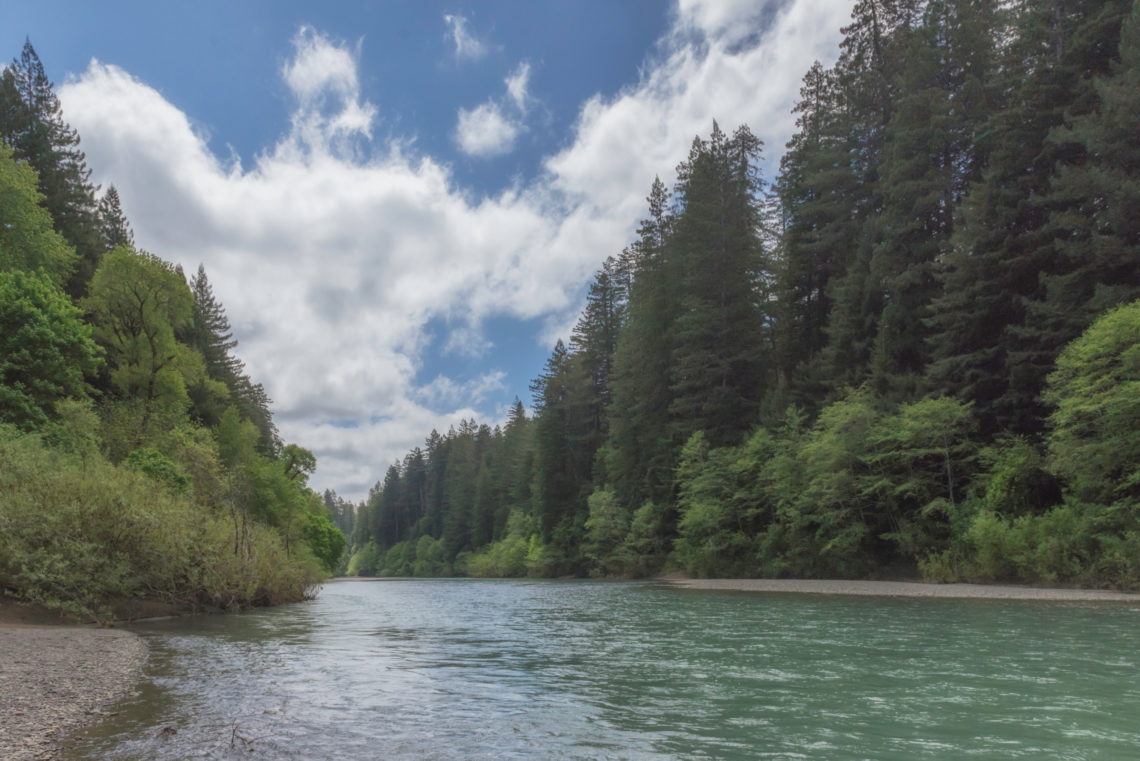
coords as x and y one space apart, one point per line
465 669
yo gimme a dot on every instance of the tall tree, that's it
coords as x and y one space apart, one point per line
137 303
1094 204
816 189
984 348
210 334
27 240
113 222
31 121
559 467
718 337
638 453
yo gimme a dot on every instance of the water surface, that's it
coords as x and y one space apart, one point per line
466 669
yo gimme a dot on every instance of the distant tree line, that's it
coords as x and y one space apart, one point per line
914 351
137 457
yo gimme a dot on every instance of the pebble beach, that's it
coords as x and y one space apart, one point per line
55 680
905 589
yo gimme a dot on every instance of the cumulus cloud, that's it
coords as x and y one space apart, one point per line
485 131
467 46
491 128
329 111
332 251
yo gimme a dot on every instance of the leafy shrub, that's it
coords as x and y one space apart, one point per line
81 534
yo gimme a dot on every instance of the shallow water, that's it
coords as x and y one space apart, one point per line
465 669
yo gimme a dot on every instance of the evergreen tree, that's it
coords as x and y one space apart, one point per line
815 189
638 461
31 121
928 162
1094 203
116 230
984 348
210 334
718 341
558 464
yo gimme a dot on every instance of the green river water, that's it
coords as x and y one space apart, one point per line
465 669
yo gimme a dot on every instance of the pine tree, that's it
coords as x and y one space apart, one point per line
558 467
985 347
638 461
1094 203
718 342
816 189
31 121
940 100
116 229
212 335
592 345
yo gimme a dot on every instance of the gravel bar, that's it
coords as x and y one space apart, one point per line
905 589
56 679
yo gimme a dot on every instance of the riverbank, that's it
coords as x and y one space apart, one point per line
56 679
903 589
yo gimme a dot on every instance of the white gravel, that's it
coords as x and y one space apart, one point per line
56 679
904 589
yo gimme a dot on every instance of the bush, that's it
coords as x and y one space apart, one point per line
81 535
365 561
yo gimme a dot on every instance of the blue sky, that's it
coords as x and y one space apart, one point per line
401 203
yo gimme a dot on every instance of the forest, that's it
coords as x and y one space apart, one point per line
138 460
914 351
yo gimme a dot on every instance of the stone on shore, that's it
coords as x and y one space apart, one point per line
57 679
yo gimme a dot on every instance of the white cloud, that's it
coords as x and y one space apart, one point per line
491 128
485 131
332 250
467 341
517 84
445 392
467 46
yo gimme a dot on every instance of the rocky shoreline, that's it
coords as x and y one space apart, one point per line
904 589
56 679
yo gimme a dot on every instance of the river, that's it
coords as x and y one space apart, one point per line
467 669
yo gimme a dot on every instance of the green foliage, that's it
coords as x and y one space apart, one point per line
958 203
365 561
31 122
714 529
1017 481
1055 546
647 543
397 560
155 465
27 241
431 559
82 535
137 302
606 529
1095 440
822 509
918 463
322 537
501 559
46 351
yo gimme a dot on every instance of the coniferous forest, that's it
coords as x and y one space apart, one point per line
914 351
138 460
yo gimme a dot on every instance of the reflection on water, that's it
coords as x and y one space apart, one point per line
464 669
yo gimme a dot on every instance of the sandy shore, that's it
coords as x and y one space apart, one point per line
905 589
56 679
